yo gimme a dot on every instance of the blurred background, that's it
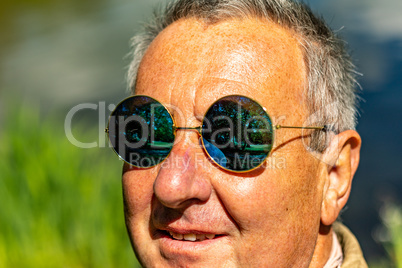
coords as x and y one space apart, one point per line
61 206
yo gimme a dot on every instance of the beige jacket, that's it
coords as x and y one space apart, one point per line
352 254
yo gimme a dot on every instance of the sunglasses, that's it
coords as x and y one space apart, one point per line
236 133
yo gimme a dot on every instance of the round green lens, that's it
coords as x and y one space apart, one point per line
141 131
237 133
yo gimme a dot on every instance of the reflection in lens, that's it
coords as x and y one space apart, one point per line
141 131
239 129
216 154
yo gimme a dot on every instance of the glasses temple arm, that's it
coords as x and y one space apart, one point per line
325 128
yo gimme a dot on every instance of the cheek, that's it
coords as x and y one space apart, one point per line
277 212
256 203
137 192
275 195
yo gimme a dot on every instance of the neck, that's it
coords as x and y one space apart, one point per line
323 247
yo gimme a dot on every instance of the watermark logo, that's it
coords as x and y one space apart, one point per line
102 119
323 145
238 140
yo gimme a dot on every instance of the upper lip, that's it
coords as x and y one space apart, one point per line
169 220
188 230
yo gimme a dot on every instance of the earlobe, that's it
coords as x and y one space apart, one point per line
344 152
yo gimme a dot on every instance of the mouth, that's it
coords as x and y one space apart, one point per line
192 237
192 244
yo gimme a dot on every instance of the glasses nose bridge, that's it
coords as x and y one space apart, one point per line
197 129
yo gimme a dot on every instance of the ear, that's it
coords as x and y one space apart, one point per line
344 153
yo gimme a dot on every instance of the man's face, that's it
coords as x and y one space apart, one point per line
269 217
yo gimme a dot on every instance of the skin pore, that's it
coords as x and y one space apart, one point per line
270 217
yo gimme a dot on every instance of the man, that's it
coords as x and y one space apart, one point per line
192 211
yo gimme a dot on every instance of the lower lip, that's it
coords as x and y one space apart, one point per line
170 246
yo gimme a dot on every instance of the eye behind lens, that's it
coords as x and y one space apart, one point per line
237 133
141 131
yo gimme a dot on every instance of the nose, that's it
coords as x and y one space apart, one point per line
182 180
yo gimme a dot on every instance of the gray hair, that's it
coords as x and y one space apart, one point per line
331 93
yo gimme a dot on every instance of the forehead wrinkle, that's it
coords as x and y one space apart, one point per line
240 61
213 88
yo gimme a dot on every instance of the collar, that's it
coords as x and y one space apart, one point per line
336 256
352 253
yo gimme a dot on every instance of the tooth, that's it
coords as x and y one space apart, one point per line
190 237
200 236
210 236
178 236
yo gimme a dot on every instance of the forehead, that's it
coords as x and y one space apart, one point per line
199 62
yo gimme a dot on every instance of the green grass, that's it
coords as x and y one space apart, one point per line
391 216
61 206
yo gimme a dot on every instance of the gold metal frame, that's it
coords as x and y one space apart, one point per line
198 129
